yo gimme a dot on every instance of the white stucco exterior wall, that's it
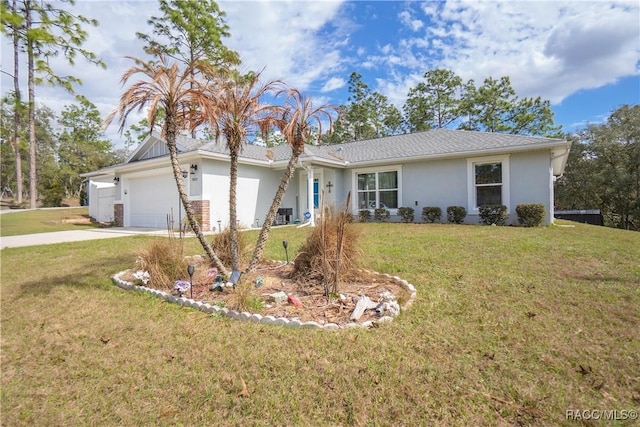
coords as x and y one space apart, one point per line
256 188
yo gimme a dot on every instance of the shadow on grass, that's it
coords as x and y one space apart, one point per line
606 279
38 270
81 277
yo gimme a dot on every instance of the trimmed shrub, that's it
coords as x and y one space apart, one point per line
493 214
456 214
364 215
431 214
406 214
381 214
530 214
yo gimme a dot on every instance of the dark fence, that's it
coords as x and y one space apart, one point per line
585 216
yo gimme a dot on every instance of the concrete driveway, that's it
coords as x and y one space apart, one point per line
73 236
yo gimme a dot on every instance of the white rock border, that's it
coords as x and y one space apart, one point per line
265 320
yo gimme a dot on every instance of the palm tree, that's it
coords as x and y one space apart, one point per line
236 109
166 87
297 120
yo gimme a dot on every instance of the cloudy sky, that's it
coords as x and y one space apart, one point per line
583 56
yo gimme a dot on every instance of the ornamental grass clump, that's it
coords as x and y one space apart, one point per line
164 261
330 251
221 245
244 298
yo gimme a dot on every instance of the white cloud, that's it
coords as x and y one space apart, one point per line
548 49
409 21
332 84
286 37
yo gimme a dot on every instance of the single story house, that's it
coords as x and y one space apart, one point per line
438 167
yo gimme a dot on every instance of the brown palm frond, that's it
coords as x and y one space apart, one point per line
180 94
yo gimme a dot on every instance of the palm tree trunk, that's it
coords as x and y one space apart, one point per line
233 210
171 131
271 214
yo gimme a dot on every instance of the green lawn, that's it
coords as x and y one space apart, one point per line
511 326
44 221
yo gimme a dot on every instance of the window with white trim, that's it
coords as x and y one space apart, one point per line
378 189
488 182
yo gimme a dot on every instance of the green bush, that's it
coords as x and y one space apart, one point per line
406 214
381 214
530 214
493 214
364 215
456 214
431 214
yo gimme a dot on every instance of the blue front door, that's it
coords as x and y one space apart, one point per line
315 193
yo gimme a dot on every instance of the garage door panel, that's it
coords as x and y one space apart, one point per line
151 199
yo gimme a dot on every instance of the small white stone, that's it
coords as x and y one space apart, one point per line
206 308
311 324
281 321
294 323
268 320
331 326
255 318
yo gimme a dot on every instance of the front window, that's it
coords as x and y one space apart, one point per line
488 181
378 190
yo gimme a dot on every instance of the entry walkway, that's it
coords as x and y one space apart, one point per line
74 236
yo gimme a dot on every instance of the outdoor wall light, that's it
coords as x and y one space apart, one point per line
185 174
116 180
193 168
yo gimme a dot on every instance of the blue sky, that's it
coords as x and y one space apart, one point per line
583 56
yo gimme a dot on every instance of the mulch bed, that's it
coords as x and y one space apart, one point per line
276 277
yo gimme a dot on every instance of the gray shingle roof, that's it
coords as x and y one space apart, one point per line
418 145
408 147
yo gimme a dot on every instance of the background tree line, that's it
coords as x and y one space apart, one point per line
442 100
602 172
66 146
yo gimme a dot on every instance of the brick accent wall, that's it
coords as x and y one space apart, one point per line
202 211
118 214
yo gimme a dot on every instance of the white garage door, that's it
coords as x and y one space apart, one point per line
151 199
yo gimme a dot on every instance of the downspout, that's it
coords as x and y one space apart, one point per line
552 180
